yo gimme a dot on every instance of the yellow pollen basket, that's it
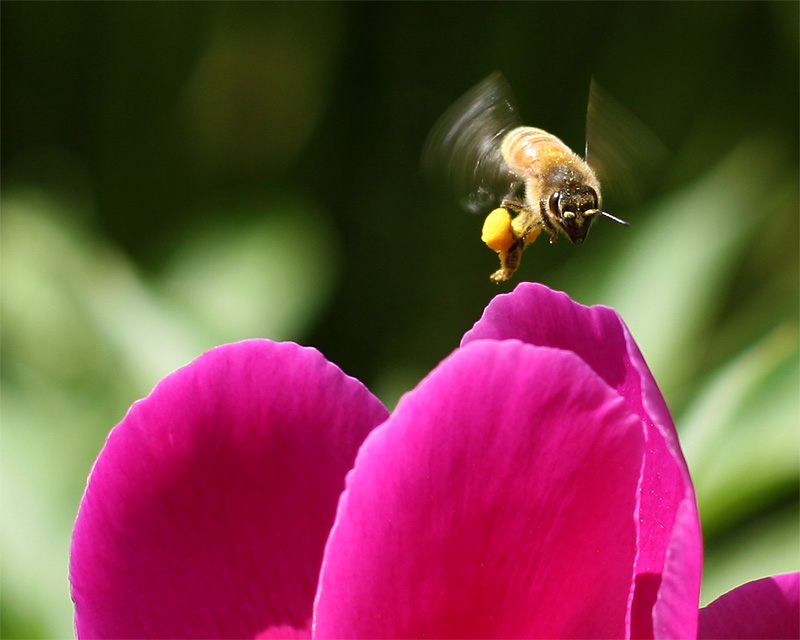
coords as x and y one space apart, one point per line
497 232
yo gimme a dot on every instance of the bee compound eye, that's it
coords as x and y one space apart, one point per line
593 196
555 200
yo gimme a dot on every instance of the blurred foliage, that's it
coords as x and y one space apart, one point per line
177 175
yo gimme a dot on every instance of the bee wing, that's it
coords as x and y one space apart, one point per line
623 151
463 148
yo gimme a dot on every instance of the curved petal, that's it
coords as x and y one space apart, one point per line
207 510
674 614
766 608
539 316
497 501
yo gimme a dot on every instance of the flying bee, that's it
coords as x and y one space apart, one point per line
481 147
561 194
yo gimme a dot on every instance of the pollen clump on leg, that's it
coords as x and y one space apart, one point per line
497 232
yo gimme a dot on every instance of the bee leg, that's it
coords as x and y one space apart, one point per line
526 227
512 203
530 236
498 234
509 262
510 237
546 222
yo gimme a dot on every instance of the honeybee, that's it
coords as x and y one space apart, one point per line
480 146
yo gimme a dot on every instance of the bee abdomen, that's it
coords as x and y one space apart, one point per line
528 151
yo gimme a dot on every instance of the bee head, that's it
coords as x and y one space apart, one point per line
575 208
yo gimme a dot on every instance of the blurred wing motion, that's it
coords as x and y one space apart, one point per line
463 148
624 153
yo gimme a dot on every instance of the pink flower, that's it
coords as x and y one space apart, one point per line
532 485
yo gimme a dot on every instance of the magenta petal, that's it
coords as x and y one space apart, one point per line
666 595
540 316
674 614
207 511
766 608
497 501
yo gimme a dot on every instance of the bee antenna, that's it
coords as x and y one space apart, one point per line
606 214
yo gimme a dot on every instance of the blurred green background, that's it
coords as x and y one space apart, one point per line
180 175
